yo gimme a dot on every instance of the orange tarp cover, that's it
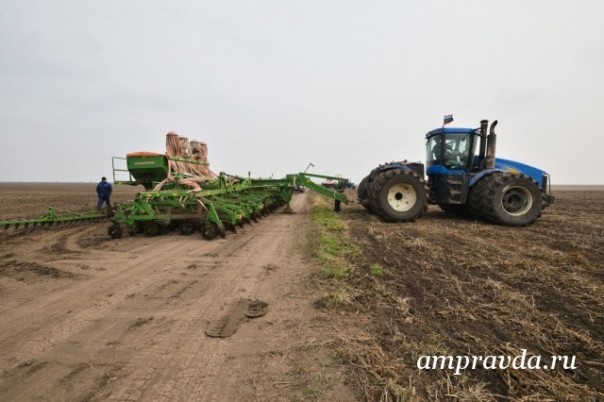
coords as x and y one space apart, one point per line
143 153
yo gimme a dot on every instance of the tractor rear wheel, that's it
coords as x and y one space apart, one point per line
512 199
398 195
363 193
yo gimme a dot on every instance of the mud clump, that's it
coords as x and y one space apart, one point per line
227 324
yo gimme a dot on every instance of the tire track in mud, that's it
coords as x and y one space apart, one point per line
136 329
69 311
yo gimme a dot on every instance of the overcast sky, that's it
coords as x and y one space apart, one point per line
274 85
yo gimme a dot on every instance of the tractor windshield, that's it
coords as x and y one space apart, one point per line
457 149
450 150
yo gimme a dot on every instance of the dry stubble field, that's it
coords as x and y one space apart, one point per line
442 285
448 285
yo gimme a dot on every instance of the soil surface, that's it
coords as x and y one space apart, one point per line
84 317
449 285
175 317
30 200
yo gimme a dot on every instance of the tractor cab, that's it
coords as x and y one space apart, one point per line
458 158
452 148
450 161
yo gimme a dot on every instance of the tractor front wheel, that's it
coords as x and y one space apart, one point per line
476 195
512 199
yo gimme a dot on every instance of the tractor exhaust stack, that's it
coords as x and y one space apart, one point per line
491 147
483 143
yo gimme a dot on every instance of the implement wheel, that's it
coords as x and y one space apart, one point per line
209 231
115 231
137 228
512 199
187 227
398 195
152 229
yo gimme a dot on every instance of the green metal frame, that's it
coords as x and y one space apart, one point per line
53 217
115 169
221 204
224 203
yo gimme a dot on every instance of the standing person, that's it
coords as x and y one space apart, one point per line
103 190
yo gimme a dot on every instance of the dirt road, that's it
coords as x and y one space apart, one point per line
88 318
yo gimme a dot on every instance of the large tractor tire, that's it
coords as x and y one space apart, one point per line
476 195
398 195
363 193
512 199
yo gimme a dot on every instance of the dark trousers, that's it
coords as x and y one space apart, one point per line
103 199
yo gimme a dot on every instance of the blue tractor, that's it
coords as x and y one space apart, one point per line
464 177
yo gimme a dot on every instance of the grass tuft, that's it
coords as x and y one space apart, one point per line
332 248
376 270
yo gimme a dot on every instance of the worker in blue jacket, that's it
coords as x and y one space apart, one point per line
103 190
